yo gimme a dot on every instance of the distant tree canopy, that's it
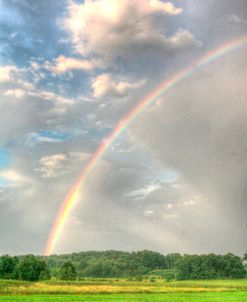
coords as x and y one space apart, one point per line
122 264
210 267
118 264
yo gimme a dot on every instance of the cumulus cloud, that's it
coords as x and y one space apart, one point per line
104 84
19 84
64 64
27 108
110 30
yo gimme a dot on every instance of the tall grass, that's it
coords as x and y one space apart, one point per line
119 287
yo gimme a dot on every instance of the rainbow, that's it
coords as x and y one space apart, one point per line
73 195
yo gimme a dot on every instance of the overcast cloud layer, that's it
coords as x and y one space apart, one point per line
175 180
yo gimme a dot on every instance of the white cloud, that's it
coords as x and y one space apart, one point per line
190 202
11 74
169 206
19 85
64 64
34 138
14 178
104 84
109 29
6 73
55 165
145 191
51 96
157 6
17 93
181 39
51 166
172 216
148 212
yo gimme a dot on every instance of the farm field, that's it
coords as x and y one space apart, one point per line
125 291
174 297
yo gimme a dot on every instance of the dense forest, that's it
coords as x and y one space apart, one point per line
116 264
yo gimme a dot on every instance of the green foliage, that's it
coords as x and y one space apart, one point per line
45 274
32 269
110 264
150 260
8 267
172 259
210 267
164 274
245 257
169 274
114 264
67 272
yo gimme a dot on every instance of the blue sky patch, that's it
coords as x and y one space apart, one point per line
4 158
47 136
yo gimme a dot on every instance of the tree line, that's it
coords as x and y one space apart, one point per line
31 268
116 264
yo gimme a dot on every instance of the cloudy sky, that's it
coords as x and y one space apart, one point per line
175 179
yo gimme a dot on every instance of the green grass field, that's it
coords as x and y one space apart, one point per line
188 297
124 291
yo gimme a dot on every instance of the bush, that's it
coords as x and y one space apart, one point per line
67 272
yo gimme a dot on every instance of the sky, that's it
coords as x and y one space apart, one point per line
175 179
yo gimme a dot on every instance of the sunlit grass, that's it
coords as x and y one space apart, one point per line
121 286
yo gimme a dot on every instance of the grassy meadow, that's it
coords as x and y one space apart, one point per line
189 297
121 290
